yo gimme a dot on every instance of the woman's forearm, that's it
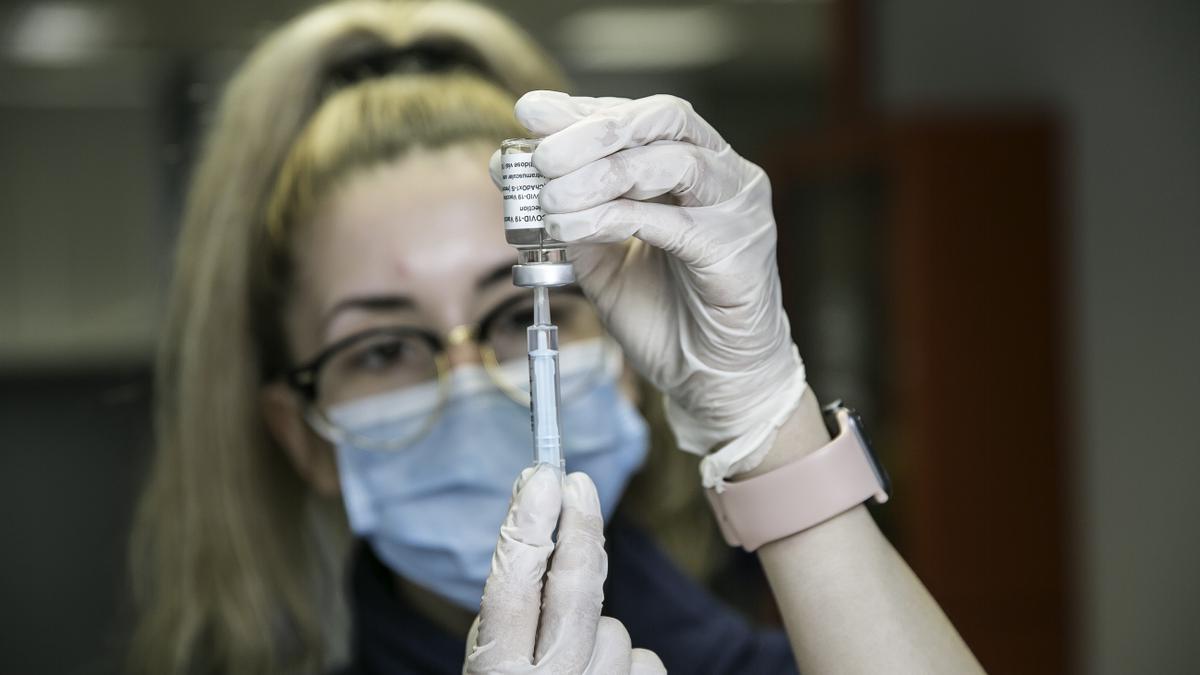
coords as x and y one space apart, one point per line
849 602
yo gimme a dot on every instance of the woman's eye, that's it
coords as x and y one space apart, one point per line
522 319
380 355
565 313
514 321
564 310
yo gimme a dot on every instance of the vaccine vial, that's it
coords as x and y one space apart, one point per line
541 260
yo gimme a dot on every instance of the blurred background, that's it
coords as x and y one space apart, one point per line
989 237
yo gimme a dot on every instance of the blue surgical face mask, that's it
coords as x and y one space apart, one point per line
432 510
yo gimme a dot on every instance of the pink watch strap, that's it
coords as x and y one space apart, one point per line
798 495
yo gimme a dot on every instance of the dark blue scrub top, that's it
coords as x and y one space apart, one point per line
663 609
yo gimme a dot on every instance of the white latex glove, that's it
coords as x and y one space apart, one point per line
524 627
694 298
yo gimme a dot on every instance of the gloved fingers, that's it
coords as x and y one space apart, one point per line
545 112
511 606
619 126
574 589
695 176
613 652
646 662
672 229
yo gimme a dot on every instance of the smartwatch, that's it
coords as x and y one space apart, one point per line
796 496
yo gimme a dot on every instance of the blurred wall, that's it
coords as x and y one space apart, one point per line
1124 77
73 453
83 257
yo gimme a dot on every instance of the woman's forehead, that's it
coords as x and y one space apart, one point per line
429 226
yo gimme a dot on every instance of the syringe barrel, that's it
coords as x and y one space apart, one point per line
544 395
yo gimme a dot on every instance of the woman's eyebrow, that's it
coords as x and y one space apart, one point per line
372 303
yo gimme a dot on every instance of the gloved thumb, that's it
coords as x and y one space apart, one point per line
510 609
545 112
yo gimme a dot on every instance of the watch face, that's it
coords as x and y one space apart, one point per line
881 473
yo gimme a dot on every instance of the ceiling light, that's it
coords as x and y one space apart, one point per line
60 33
647 38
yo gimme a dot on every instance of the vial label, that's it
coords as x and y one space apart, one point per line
520 184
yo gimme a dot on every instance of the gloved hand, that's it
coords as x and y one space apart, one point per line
694 298
525 628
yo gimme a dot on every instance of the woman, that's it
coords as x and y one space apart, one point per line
343 347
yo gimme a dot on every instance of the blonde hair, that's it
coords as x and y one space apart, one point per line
229 566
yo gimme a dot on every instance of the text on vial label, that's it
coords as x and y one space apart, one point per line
520 184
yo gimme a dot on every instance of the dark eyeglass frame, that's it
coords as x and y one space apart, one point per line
303 377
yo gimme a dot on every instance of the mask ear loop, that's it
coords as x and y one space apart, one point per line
612 362
614 358
496 372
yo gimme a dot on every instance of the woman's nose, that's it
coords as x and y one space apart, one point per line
461 348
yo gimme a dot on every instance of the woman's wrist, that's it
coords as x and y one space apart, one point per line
802 433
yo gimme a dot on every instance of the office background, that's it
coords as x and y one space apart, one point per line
990 235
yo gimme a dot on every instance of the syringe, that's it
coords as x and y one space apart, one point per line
543 383
541 264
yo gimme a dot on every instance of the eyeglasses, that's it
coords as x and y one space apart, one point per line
407 360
